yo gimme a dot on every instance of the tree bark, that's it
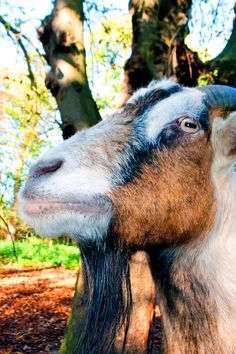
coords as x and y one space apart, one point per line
158 49
143 293
61 34
76 319
62 37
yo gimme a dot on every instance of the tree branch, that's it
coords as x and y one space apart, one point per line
18 36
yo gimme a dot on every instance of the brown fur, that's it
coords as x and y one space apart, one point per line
217 112
168 202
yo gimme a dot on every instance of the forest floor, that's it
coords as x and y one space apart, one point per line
34 306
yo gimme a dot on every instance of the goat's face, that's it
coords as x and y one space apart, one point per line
137 179
144 173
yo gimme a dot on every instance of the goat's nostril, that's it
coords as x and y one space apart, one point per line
45 167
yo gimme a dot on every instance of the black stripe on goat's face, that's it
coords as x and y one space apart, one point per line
138 151
126 170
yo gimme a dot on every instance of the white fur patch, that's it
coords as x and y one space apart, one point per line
187 102
75 180
82 176
161 84
224 140
80 227
218 256
220 253
65 185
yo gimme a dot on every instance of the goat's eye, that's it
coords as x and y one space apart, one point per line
189 125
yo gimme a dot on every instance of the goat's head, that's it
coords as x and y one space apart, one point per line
138 179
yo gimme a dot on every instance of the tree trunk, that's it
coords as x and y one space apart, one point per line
158 49
61 34
76 319
143 293
62 37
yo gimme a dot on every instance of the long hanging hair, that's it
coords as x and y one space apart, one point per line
107 289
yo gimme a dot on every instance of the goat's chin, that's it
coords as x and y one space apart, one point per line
55 222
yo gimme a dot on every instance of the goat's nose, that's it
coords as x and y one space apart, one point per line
44 167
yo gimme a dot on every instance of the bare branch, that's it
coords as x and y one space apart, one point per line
18 36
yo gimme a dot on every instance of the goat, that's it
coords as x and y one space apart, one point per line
156 176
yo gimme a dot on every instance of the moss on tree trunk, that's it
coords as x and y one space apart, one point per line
76 318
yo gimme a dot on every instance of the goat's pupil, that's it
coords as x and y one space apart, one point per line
190 125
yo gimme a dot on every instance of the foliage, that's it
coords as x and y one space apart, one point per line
207 78
108 48
35 251
28 116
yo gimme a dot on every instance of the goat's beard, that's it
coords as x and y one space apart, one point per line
108 299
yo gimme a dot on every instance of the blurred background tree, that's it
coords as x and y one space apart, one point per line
94 54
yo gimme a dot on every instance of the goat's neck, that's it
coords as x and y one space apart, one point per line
197 284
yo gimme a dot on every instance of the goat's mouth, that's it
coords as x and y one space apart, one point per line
91 206
84 219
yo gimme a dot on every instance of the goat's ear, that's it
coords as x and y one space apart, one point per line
224 135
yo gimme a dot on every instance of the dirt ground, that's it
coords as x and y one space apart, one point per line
34 305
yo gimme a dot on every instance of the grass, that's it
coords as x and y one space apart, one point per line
37 252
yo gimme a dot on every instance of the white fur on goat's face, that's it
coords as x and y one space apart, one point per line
107 170
188 101
56 205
